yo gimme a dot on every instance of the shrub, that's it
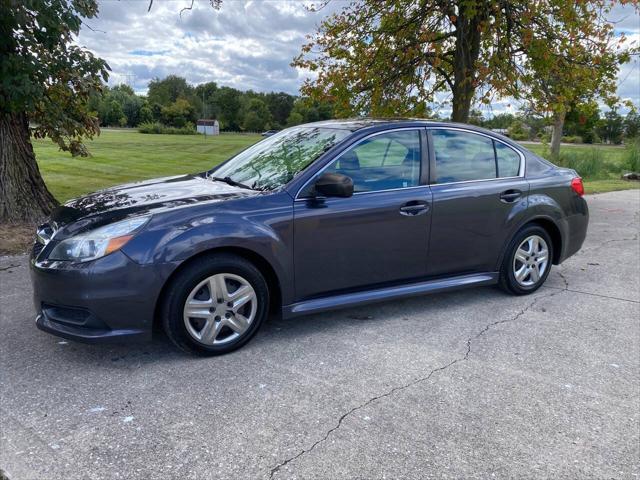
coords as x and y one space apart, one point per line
150 127
517 131
590 136
188 129
589 164
631 158
545 137
572 139
155 127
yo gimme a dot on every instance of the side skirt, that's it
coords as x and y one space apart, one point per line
382 294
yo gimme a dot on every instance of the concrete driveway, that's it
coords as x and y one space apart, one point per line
470 384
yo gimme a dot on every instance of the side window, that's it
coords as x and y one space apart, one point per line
508 161
382 162
462 156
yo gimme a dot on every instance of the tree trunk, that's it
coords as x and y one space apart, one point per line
468 36
462 97
556 136
23 195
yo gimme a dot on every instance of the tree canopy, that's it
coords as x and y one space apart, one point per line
45 84
572 59
390 57
45 75
174 102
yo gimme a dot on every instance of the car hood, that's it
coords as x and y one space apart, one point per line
139 198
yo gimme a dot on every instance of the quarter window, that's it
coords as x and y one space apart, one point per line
508 161
382 162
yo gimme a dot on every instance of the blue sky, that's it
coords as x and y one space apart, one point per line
246 44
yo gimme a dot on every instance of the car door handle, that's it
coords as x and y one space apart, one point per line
415 207
509 196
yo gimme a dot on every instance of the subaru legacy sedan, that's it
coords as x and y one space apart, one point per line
316 217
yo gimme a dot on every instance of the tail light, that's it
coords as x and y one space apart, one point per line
577 186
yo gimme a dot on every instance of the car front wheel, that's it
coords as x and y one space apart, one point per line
527 263
215 305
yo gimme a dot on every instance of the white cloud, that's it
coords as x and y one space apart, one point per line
246 44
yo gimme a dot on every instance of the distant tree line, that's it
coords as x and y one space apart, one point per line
174 102
583 124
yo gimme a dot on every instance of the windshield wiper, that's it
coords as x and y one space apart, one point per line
232 182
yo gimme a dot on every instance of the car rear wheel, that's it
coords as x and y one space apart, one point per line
527 263
215 305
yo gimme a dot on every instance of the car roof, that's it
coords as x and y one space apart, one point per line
354 124
376 124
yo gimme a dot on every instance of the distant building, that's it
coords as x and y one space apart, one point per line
501 131
208 127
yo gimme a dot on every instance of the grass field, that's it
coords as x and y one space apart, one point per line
599 165
119 156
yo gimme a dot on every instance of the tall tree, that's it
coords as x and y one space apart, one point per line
228 104
572 59
256 115
632 124
611 127
166 91
280 106
389 57
45 84
204 97
582 120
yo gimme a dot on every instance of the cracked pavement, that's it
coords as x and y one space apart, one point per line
467 384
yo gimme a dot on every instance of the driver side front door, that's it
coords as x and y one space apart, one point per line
379 235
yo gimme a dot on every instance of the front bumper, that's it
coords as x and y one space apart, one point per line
109 299
85 334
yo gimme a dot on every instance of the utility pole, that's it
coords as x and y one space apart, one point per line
130 79
203 117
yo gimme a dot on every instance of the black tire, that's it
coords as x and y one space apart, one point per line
177 293
507 281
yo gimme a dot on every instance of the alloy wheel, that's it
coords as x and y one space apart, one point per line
220 309
530 261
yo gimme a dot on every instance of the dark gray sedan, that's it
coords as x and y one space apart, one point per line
315 217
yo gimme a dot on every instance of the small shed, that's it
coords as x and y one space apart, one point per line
208 127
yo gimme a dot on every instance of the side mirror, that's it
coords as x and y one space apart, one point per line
334 185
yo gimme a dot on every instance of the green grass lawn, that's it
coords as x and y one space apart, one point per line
600 165
119 156
613 153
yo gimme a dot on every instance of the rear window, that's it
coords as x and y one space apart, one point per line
465 156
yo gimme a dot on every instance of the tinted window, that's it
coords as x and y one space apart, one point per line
274 161
462 156
382 162
508 161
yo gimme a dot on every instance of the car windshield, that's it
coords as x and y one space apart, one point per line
273 162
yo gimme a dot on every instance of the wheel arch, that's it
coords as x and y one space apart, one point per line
554 232
550 226
261 263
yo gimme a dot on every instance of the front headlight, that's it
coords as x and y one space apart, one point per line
99 242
